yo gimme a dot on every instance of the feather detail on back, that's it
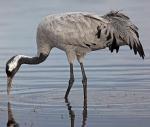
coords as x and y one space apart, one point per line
121 31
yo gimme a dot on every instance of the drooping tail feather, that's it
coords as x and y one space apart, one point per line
123 32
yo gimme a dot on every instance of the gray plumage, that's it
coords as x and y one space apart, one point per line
78 34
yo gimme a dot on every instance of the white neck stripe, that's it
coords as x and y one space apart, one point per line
13 64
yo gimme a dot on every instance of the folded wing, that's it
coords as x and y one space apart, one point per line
121 31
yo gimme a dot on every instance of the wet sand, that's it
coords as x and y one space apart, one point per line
118 84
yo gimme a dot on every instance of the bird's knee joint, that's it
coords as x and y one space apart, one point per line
71 80
84 80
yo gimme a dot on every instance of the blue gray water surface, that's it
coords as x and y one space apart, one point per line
118 84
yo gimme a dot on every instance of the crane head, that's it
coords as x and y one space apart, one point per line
12 66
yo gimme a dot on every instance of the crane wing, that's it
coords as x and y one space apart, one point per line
96 32
121 31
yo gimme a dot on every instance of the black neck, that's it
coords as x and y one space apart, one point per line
33 60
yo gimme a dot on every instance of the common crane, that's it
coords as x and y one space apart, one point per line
77 34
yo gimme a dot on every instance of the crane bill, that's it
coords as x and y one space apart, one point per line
9 85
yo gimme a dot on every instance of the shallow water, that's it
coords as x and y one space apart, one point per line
118 84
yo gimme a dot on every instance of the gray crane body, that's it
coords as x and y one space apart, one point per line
78 33
74 33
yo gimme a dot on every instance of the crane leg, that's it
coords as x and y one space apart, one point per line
84 81
71 81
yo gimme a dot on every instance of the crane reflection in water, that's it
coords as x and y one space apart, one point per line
11 120
72 113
